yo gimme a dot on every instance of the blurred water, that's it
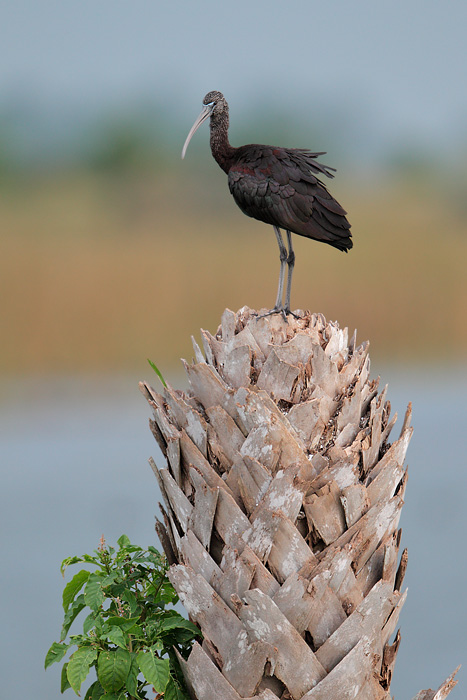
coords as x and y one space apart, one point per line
74 466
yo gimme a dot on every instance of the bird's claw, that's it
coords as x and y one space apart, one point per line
293 314
279 310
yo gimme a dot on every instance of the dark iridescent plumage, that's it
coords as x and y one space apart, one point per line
279 186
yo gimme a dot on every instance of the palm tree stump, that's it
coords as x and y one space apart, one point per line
282 496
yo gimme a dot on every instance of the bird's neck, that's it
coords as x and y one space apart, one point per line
221 149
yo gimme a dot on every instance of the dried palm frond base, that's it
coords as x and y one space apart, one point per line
282 500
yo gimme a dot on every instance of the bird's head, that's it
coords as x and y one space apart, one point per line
216 101
214 105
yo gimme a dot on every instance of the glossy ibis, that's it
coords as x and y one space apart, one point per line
278 186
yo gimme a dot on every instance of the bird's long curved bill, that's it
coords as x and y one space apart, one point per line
202 117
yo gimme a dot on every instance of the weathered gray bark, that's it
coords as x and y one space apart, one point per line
282 497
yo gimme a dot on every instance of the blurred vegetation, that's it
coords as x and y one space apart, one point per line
115 251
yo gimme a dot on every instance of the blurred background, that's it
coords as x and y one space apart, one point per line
114 250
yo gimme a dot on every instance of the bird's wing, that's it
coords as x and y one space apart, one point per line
281 187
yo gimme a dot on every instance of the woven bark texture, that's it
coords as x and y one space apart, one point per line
282 496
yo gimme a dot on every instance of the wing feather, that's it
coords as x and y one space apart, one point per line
280 187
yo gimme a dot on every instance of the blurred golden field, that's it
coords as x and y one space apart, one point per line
99 272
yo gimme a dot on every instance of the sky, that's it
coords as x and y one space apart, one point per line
389 73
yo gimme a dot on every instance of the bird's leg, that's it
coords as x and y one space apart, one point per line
290 263
286 258
283 258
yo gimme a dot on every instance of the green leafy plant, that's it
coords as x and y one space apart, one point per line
130 634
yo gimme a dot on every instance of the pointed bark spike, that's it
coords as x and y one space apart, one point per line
202 516
228 325
401 570
238 366
199 357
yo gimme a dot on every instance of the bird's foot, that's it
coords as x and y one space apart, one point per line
288 311
285 311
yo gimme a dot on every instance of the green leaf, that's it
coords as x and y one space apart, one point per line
90 622
173 691
73 586
130 598
67 562
94 692
160 558
78 666
75 560
123 541
116 636
110 579
125 623
175 621
74 610
81 640
93 593
133 548
155 670
113 668
64 683
132 678
166 594
179 636
55 654
157 371
136 631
